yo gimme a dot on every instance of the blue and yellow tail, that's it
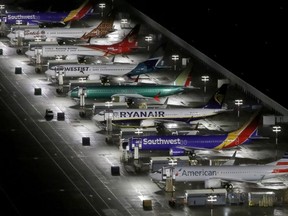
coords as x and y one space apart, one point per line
81 11
217 100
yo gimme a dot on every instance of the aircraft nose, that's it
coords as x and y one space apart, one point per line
11 35
29 53
98 118
156 176
50 73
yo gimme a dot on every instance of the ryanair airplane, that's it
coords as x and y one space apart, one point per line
150 117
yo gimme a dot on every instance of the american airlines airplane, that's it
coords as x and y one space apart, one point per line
150 117
97 71
178 145
218 176
128 44
61 34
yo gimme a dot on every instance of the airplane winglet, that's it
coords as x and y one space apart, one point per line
156 97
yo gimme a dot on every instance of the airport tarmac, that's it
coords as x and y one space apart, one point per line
47 170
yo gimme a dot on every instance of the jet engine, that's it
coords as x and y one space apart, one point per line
213 183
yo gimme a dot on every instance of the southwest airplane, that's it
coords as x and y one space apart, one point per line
128 44
180 144
149 117
49 18
96 71
143 92
224 175
59 34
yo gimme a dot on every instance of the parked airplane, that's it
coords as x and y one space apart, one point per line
98 71
49 18
150 117
141 92
180 144
218 176
125 46
61 34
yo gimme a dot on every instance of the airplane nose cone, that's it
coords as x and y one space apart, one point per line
98 118
11 36
29 53
50 73
156 176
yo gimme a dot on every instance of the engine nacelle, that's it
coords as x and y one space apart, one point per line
147 123
176 152
213 183
94 77
71 57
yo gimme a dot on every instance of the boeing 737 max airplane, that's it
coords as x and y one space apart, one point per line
140 92
64 34
98 71
150 117
128 44
178 145
49 18
217 176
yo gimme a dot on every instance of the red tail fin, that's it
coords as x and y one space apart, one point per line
131 38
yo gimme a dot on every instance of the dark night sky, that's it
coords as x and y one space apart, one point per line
248 39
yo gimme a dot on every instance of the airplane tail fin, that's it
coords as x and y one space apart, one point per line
131 38
184 78
217 100
244 133
81 11
105 27
144 67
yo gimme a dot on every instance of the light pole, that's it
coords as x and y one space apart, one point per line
148 39
124 23
102 6
138 145
212 198
276 129
175 58
109 118
238 103
205 79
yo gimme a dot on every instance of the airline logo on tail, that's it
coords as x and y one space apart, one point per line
217 100
80 12
282 162
104 28
126 46
243 134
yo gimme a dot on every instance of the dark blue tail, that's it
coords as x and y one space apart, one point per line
217 100
144 67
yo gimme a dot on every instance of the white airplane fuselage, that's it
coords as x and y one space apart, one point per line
80 70
181 114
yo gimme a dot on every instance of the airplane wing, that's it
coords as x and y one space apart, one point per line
134 96
229 180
